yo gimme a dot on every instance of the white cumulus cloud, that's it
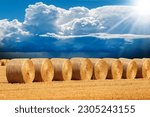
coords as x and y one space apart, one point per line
11 29
82 26
43 19
73 13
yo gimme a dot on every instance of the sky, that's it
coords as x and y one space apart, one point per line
15 9
113 28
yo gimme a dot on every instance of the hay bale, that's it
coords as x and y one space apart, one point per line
0 63
115 68
62 69
20 71
143 68
3 62
129 68
82 69
44 70
3 78
146 68
100 69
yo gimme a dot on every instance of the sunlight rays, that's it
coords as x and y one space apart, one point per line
142 7
118 24
139 19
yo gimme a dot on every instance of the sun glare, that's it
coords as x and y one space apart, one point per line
143 7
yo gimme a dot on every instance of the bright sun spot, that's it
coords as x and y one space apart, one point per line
142 7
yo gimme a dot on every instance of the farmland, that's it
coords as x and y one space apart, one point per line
88 90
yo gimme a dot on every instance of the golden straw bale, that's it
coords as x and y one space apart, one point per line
20 71
44 70
82 68
143 68
62 69
3 62
115 68
100 69
129 68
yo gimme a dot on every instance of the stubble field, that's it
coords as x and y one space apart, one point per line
87 90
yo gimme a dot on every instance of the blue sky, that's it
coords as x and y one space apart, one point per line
113 28
15 9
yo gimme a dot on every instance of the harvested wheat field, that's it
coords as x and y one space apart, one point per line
122 89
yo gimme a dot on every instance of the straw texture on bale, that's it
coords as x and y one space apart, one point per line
82 69
20 71
115 68
100 69
129 68
143 68
146 68
62 69
44 71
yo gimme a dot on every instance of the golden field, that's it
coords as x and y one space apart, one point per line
88 90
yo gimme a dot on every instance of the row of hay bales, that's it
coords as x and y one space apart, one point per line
59 69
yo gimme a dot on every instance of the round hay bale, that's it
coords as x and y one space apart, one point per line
62 69
143 68
82 69
100 69
146 68
4 62
20 71
129 68
44 70
0 63
115 68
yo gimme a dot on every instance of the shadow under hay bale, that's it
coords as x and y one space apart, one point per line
143 68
